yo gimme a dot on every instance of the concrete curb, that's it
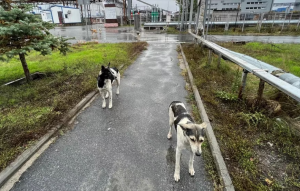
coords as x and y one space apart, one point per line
214 147
17 164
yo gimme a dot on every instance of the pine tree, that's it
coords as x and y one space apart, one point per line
22 32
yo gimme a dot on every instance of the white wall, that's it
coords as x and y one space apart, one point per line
54 11
74 17
46 16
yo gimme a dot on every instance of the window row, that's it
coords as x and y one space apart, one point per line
230 3
229 9
255 7
256 2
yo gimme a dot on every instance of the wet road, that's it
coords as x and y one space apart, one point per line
126 147
114 35
126 34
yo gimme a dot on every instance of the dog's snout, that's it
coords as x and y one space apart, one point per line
198 154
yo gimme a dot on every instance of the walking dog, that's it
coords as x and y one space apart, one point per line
189 135
106 78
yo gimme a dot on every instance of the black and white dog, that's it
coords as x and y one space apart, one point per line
106 78
189 135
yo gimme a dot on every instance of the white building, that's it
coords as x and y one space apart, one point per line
61 15
246 6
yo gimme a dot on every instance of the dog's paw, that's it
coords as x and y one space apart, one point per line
103 105
192 172
169 136
110 106
176 177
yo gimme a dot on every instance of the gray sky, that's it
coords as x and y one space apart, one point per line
161 3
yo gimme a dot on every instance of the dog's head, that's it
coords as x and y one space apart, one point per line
104 74
195 135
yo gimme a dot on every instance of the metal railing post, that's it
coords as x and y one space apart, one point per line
298 24
219 60
209 57
243 85
244 22
274 20
283 23
260 91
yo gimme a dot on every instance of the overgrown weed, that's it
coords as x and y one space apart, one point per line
244 131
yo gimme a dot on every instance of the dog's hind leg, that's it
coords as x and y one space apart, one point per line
177 164
171 121
191 164
118 83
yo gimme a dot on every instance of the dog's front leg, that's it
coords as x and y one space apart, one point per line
110 99
109 88
177 164
102 93
118 83
191 164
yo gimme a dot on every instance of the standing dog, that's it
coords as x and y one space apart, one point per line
189 135
106 78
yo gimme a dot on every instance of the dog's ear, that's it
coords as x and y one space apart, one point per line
108 65
102 68
202 125
186 126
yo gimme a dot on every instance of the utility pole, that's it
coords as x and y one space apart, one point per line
191 14
182 14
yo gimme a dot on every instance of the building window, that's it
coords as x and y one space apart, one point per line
66 16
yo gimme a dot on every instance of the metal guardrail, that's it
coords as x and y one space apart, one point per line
223 23
274 81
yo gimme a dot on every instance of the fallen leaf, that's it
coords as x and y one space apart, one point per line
269 182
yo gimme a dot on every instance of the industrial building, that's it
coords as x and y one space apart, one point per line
246 6
286 5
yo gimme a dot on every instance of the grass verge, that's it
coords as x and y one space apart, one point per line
266 30
260 144
284 56
28 111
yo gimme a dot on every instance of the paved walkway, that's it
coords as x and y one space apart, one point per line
126 147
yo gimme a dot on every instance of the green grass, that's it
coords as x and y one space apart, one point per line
266 30
284 56
28 111
244 130
173 30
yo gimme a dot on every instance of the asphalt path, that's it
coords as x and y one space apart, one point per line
126 147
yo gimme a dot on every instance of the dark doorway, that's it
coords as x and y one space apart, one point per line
60 17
